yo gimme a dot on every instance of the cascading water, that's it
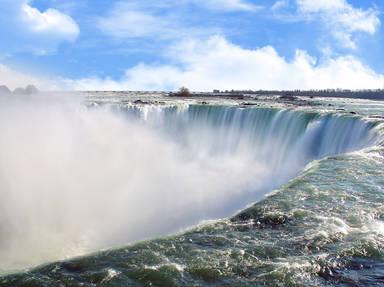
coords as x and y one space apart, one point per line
75 180
263 133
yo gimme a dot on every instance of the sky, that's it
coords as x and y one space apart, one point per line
200 44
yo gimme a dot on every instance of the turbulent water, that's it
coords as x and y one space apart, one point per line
131 169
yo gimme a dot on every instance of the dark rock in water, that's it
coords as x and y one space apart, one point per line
159 103
353 113
140 102
376 117
248 104
4 90
260 218
329 273
288 96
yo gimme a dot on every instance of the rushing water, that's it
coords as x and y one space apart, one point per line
169 166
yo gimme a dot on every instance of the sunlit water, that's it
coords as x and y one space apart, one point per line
80 177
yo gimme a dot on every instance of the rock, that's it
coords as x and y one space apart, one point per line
140 102
248 104
289 96
260 218
376 117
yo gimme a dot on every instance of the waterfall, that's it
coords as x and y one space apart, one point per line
75 180
269 135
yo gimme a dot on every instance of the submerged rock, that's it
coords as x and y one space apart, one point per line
140 102
248 104
260 217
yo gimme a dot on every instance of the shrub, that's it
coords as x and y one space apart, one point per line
182 92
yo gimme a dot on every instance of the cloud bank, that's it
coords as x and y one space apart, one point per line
183 50
217 63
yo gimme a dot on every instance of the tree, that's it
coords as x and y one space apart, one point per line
183 92
4 90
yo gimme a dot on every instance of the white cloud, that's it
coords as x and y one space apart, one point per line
341 19
323 5
34 30
50 22
217 63
138 20
166 20
279 4
129 23
228 5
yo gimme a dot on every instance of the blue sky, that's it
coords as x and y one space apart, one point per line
203 44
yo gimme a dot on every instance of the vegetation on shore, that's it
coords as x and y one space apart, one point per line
377 94
28 90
